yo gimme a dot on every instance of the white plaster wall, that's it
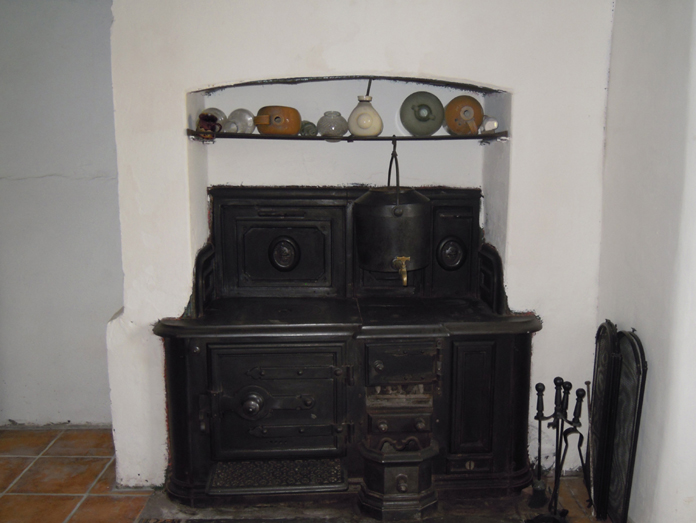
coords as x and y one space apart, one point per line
495 180
60 270
647 278
553 56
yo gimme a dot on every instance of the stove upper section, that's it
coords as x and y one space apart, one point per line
300 242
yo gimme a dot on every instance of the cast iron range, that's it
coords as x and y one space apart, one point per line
347 344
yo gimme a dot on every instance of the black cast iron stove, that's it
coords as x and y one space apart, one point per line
297 373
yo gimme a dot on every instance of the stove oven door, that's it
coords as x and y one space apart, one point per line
277 400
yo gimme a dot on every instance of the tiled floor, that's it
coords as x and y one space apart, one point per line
62 475
67 475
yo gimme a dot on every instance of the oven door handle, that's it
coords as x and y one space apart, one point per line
292 373
290 431
254 403
285 213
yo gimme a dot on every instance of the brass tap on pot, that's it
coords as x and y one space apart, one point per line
399 264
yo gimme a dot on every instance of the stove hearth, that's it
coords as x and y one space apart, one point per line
297 373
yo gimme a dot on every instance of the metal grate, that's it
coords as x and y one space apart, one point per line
291 475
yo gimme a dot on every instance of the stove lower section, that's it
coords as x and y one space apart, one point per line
278 409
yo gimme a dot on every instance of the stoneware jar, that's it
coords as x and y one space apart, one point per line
332 124
278 119
239 121
422 113
364 120
463 115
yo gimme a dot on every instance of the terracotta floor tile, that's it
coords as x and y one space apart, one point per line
60 476
107 485
10 468
87 442
25 442
109 509
577 487
36 509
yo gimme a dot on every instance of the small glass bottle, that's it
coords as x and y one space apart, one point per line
365 120
332 124
239 121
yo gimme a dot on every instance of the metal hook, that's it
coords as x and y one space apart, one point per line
394 160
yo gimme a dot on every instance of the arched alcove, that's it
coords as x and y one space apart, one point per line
442 159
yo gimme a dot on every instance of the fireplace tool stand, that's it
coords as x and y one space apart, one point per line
559 420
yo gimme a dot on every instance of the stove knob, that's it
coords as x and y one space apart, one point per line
402 483
252 404
382 426
378 365
420 424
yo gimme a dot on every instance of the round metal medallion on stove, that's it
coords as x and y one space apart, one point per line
284 253
451 253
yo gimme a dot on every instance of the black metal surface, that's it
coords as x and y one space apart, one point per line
335 272
401 362
629 405
447 316
274 249
204 286
398 483
605 385
491 289
386 230
291 350
393 227
617 397
277 400
483 138
472 408
296 475
565 427
420 81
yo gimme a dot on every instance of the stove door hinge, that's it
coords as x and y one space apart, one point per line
208 406
347 429
346 371
438 367
204 413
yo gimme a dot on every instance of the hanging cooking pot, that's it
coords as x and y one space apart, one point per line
392 227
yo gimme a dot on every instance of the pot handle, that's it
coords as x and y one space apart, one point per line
394 160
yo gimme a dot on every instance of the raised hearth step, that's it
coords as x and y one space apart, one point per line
277 476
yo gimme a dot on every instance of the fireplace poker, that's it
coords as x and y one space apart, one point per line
539 497
559 420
